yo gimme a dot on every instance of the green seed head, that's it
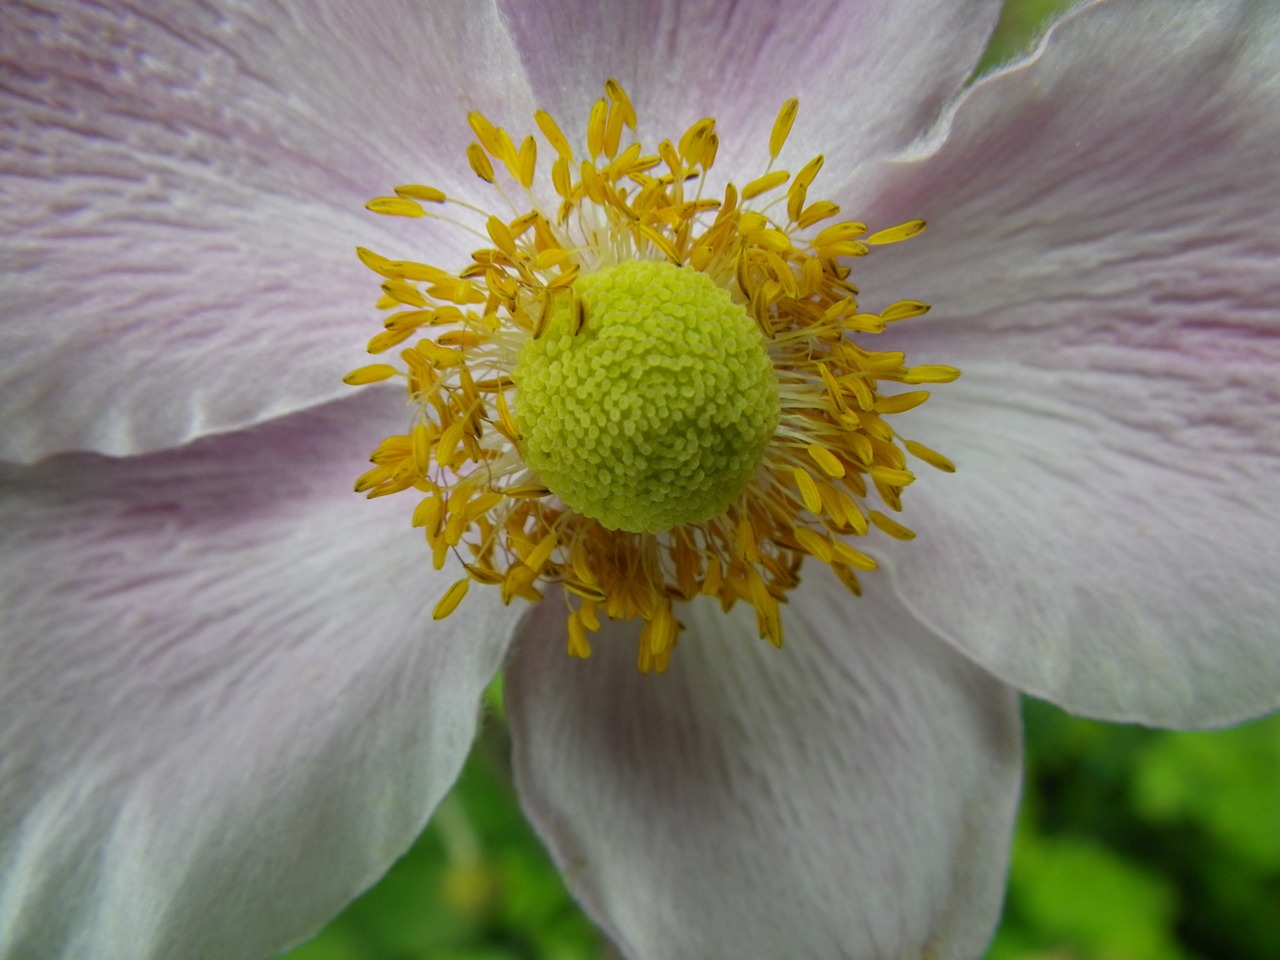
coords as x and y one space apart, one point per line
657 412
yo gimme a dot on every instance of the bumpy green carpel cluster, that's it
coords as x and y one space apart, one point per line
657 412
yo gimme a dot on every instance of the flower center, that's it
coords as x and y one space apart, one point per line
656 412
637 393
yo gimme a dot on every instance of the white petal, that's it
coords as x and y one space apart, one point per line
850 795
1102 260
187 186
870 75
224 706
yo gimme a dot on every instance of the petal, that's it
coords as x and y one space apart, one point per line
1101 256
870 76
224 707
188 184
851 795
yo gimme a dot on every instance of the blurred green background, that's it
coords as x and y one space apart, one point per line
1132 844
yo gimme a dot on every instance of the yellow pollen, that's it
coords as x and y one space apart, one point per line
638 391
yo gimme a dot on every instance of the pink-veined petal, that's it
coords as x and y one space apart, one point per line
850 795
1102 259
224 706
184 188
870 75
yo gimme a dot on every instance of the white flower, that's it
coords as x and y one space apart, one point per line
224 705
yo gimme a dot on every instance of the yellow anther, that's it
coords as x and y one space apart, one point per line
593 184
660 241
590 614
614 91
586 591
404 293
483 575
457 291
847 555
612 131
694 139
527 491
595 128
551 130
485 132
825 459
408 270
769 621
663 634
627 162
782 126
480 164
547 259
438 356
861 393
417 191
376 263
452 597
372 373
386 340
839 233
506 422
447 448
396 207
892 476
501 236
852 514
903 309
422 437
816 213
581 562
931 457
527 161
860 447
901 402
671 158
710 147
808 489
481 505
809 172
891 527
465 339
508 154
849 248
769 181
930 374
820 547
799 189
903 231
537 559
428 513
578 645
521 224
561 178
408 319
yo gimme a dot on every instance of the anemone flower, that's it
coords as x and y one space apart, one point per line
225 703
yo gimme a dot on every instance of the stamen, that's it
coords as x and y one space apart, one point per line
609 491
782 127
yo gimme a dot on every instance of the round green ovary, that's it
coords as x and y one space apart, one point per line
658 412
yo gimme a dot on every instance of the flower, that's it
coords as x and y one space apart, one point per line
225 705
